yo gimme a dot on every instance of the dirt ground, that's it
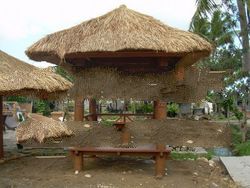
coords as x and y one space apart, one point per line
171 132
124 172
110 173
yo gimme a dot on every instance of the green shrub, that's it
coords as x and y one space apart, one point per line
42 106
172 109
242 149
141 107
236 134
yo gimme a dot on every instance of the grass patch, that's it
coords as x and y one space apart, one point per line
239 149
242 149
236 134
189 156
107 123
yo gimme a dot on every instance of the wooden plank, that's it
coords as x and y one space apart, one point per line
106 150
129 114
51 157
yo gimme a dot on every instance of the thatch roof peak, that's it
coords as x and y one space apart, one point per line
121 29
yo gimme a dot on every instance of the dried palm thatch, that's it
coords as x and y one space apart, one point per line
111 84
195 86
40 128
19 78
119 30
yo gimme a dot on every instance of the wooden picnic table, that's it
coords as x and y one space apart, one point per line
159 152
124 116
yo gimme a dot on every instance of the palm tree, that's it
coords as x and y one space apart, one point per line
207 7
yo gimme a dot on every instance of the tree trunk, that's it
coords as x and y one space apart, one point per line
244 123
1 128
244 35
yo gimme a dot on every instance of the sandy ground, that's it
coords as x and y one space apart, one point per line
110 172
124 172
170 132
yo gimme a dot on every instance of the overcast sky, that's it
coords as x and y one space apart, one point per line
23 22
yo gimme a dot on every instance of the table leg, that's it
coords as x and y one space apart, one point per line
160 164
125 136
78 162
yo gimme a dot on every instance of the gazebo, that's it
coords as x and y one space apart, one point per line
20 78
125 54
125 49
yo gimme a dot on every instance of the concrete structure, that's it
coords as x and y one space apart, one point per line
238 168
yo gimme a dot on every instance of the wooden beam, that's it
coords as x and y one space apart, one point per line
179 72
163 62
127 64
124 54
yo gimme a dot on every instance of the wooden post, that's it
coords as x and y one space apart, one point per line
78 161
179 73
160 161
1 128
160 110
125 137
92 109
79 109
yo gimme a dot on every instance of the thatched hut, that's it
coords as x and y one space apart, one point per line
119 33
125 54
41 128
19 78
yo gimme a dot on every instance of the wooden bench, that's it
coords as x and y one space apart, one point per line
159 152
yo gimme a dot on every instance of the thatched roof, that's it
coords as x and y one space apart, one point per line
119 30
40 128
20 78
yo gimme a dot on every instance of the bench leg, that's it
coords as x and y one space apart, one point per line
78 162
160 164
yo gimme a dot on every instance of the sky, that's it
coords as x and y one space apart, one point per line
23 22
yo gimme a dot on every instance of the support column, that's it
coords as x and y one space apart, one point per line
1 128
79 109
160 111
92 109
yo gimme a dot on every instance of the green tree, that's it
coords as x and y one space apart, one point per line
218 23
19 99
42 106
243 5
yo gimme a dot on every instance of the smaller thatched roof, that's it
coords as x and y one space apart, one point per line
20 78
40 128
120 30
